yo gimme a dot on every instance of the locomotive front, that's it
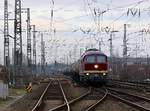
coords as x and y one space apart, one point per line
94 67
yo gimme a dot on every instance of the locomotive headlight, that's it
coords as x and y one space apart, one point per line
87 74
95 66
104 74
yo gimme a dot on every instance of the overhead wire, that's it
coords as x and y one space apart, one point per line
138 3
87 14
125 22
91 12
125 12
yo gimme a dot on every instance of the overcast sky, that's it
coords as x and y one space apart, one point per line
76 25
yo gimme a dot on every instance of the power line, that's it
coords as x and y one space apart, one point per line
125 12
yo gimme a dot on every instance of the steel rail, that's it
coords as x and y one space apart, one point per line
41 97
65 98
129 85
137 106
100 100
71 102
129 94
131 81
132 84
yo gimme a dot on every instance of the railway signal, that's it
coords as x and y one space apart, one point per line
29 88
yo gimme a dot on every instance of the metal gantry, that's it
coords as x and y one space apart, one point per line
42 55
111 49
17 41
111 52
6 35
29 53
34 48
125 46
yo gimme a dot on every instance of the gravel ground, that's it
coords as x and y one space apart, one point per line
73 92
108 105
5 103
14 95
49 104
80 106
26 102
111 104
87 101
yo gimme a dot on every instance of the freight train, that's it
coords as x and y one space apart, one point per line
91 67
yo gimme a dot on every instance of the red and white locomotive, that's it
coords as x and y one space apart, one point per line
92 66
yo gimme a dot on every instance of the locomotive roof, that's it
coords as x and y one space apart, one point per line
92 52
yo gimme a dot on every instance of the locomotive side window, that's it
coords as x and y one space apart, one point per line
101 59
90 59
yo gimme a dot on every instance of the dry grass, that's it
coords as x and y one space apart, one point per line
13 94
16 92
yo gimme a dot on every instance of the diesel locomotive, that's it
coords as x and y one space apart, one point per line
92 66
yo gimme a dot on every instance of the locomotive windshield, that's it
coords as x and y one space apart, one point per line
90 59
101 59
95 59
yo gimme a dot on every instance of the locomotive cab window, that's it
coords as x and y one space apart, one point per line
90 59
101 59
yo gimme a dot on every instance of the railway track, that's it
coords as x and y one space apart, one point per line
89 101
56 88
52 92
54 97
63 106
130 99
93 106
90 95
125 84
146 83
